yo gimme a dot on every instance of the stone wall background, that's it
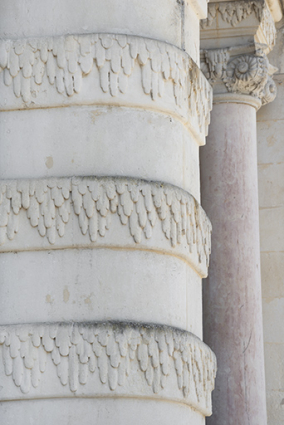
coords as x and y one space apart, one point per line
270 129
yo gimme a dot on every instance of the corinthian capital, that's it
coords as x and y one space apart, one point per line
244 31
248 73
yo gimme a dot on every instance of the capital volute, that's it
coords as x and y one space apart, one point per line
238 74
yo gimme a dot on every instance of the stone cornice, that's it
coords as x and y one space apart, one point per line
246 74
106 359
72 212
251 20
105 69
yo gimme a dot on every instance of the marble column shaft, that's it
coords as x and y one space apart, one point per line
232 291
242 80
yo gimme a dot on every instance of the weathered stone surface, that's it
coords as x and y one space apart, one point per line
239 22
102 409
236 71
104 69
232 291
100 103
76 137
76 285
92 359
175 22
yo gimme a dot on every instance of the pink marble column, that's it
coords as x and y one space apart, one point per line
232 292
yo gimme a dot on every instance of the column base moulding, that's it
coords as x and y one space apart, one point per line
105 69
106 360
104 212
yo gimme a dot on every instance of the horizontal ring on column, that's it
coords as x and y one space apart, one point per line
106 359
144 215
98 69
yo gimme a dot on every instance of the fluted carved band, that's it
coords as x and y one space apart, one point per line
108 212
106 359
104 69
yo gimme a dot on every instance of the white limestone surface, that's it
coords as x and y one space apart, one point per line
111 359
98 141
118 411
104 69
78 105
168 20
99 284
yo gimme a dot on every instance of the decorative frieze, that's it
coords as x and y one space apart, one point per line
140 206
103 68
235 12
122 358
247 74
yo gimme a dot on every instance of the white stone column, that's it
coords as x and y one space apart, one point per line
241 77
103 239
232 291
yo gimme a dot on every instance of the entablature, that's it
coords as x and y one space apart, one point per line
238 22
235 39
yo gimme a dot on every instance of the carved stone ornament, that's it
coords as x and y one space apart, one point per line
240 19
104 69
107 359
235 12
247 74
140 210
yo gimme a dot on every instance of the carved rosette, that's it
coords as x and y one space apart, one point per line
104 69
120 212
106 359
247 74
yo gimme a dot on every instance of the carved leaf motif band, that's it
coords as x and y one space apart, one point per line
235 12
107 354
140 205
33 65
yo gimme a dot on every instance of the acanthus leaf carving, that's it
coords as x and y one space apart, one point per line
140 206
32 66
105 353
235 12
248 74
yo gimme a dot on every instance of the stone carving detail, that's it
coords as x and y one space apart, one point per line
269 91
63 62
244 74
235 12
139 205
247 74
105 352
215 64
268 27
